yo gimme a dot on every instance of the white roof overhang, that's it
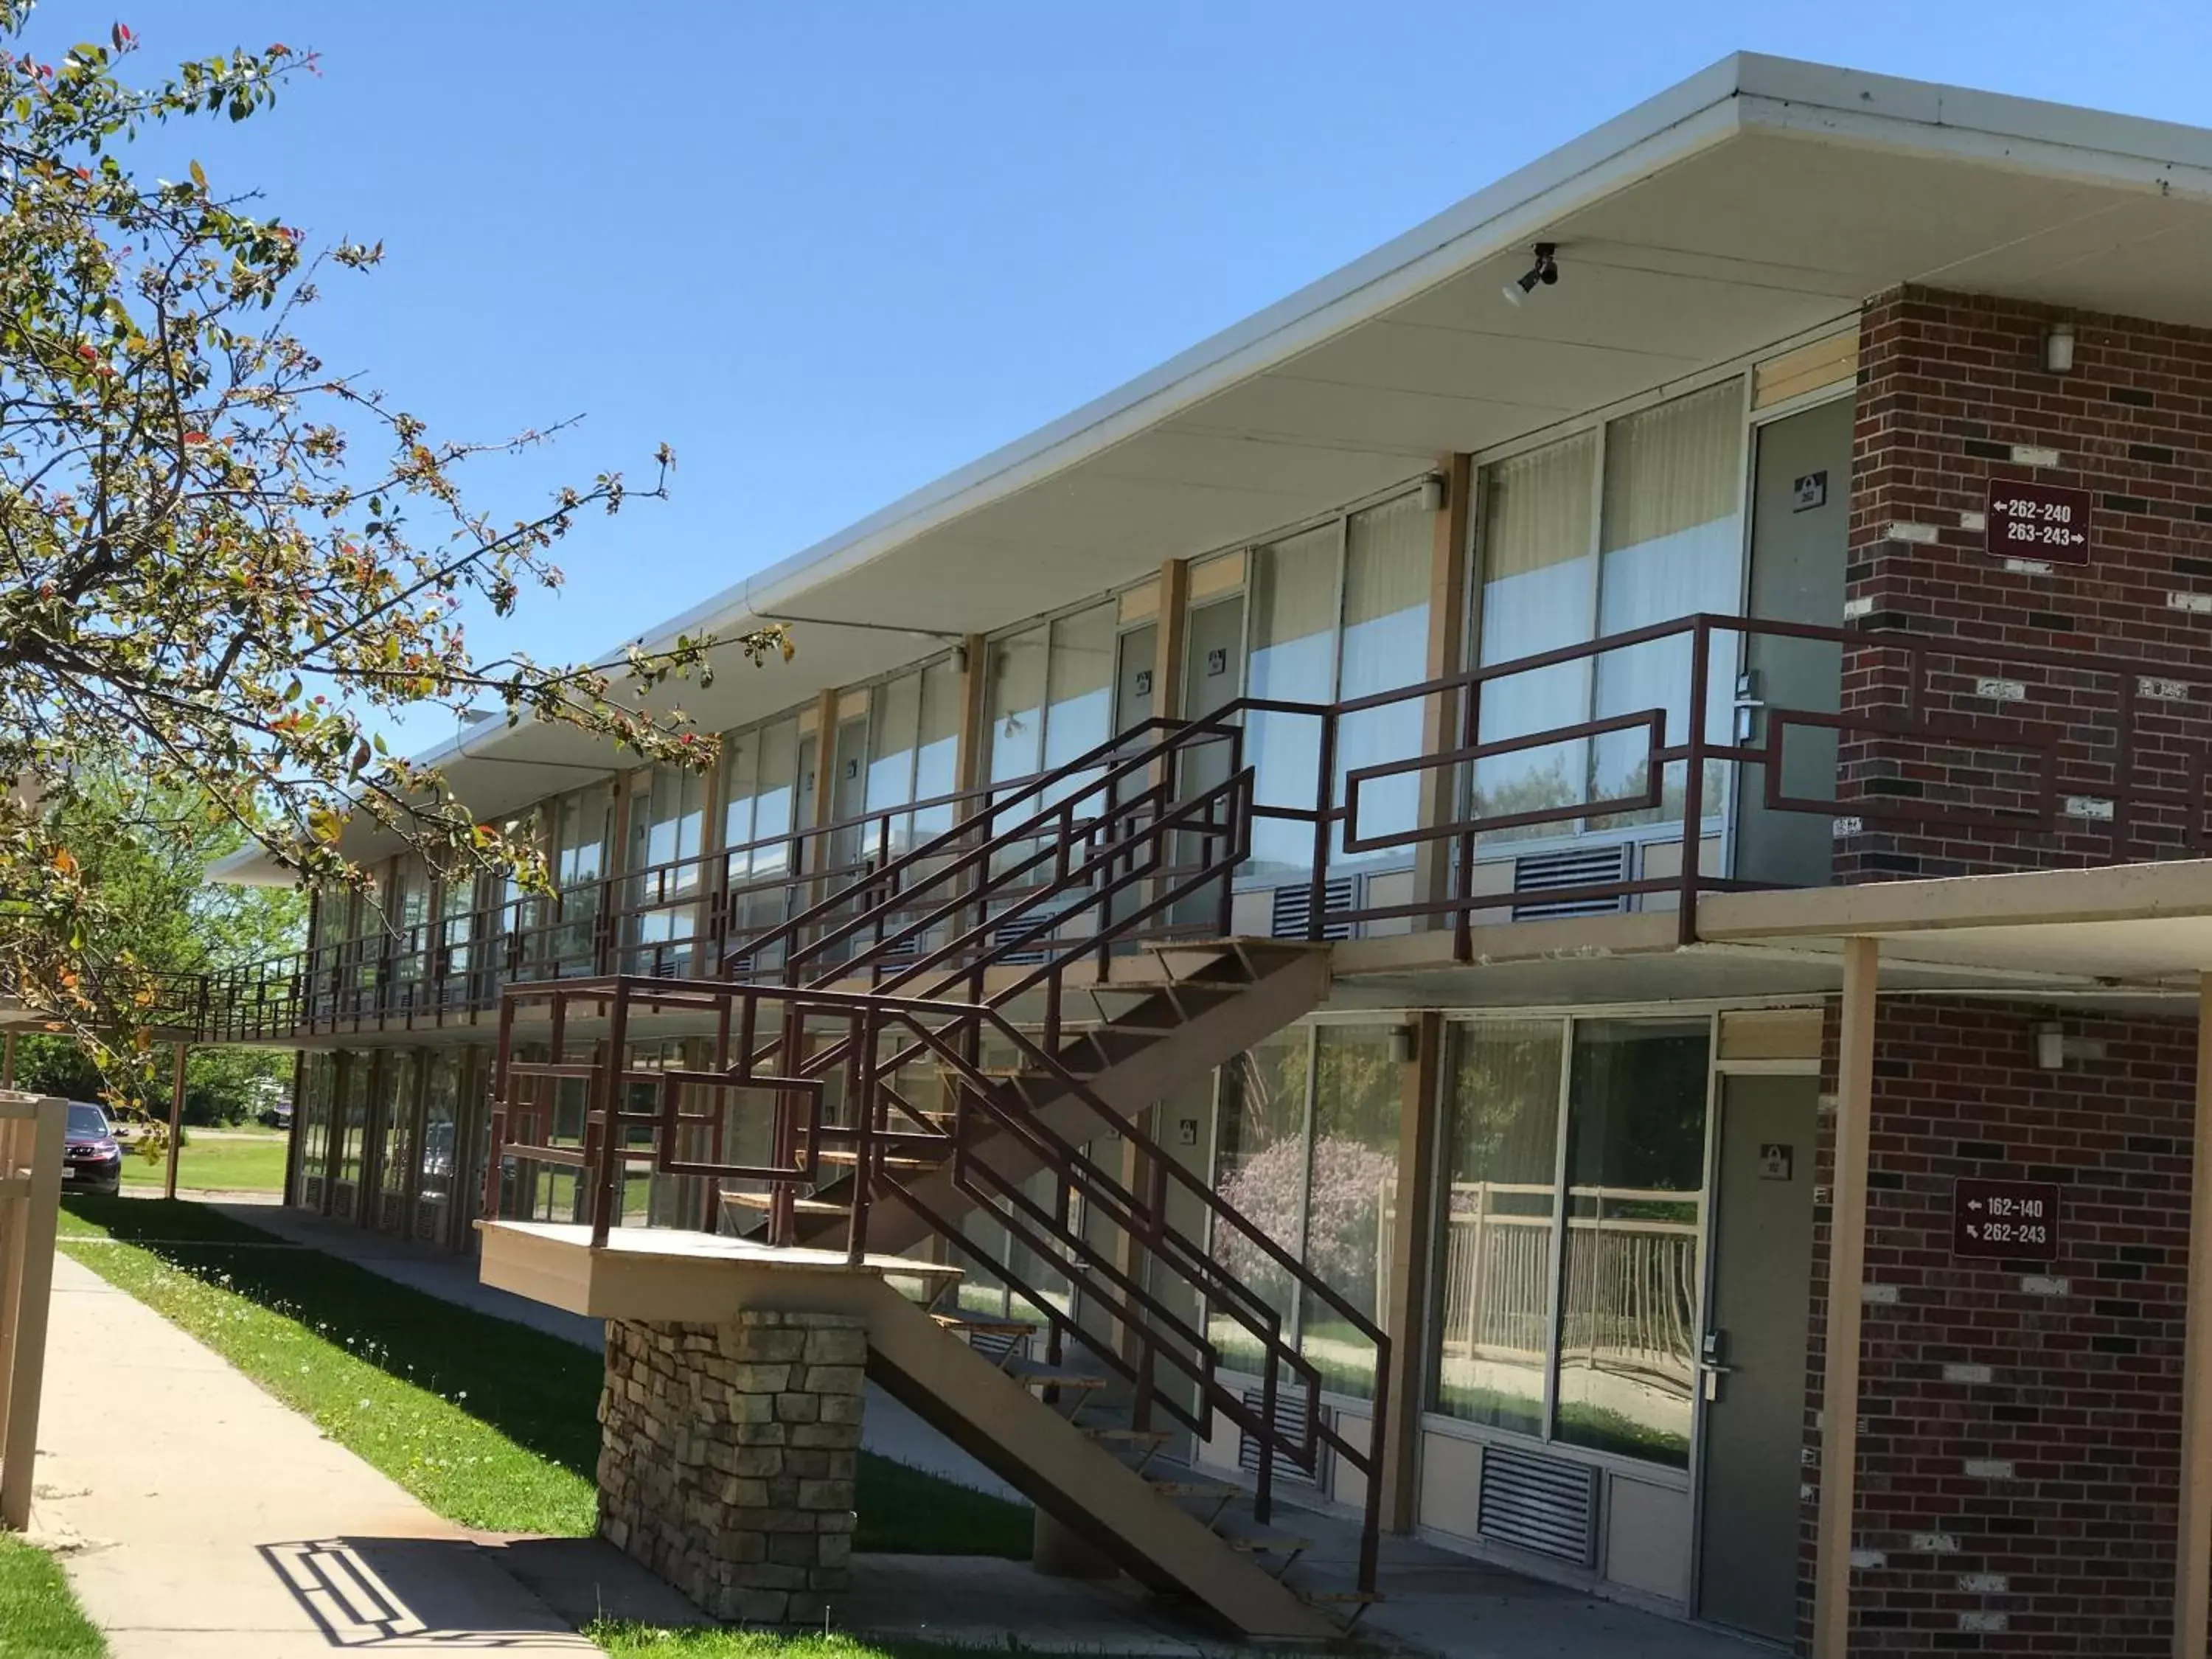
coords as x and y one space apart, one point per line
1756 203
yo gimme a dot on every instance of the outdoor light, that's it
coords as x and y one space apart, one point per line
959 659
2050 1047
2058 348
1405 1041
1432 494
1545 270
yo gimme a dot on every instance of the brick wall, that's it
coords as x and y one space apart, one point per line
1951 389
2019 1458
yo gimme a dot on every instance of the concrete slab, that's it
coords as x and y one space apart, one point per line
226 1525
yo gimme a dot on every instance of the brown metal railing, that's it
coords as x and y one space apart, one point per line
997 909
2028 730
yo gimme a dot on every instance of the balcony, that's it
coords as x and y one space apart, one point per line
1440 823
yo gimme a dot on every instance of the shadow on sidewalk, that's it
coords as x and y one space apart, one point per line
417 1592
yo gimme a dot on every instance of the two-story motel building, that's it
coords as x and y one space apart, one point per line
1858 464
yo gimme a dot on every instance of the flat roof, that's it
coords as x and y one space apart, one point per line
1755 204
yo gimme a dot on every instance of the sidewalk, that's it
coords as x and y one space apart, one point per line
204 1520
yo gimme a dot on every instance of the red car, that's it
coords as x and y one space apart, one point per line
92 1160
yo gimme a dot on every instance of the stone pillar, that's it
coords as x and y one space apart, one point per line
727 1458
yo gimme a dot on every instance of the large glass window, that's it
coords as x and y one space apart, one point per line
667 834
1385 644
1496 1272
1291 626
1308 1153
1598 534
1569 1251
1636 1155
1052 692
583 825
440 1174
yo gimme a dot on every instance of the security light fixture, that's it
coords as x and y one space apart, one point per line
1432 494
1405 1044
1546 270
2058 348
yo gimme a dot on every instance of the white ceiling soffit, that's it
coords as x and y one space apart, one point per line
1753 202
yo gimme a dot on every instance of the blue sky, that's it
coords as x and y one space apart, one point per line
830 250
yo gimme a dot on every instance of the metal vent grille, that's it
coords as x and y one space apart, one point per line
311 1193
1540 1504
1293 908
1290 1425
1577 866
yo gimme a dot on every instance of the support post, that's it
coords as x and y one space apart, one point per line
1440 797
8 1062
2192 1585
1839 1389
176 1120
26 1285
1404 1315
298 1132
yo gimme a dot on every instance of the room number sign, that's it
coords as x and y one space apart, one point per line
2029 520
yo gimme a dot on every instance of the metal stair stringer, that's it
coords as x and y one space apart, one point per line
1268 984
1036 1451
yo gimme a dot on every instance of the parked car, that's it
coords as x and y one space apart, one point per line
91 1159
277 1114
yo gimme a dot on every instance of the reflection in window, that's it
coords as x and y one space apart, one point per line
1291 622
1017 666
1385 646
1636 1147
1352 1189
1672 547
1260 1171
1538 592
1494 1293
441 1171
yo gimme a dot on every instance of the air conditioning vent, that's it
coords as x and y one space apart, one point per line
1541 1504
1293 908
1290 1428
1577 866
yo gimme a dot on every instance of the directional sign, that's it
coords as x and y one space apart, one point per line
2037 521
2015 1220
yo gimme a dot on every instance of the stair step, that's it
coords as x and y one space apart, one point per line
959 1319
1039 1374
851 1155
1250 1538
762 1202
1127 1435
1192 1486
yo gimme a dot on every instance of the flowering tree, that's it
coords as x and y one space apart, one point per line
220 562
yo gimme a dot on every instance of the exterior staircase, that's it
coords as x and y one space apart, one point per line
904 1049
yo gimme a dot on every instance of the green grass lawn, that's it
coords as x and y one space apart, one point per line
37 1614
489 1422
250 1164
624 1640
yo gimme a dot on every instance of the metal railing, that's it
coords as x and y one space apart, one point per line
1045 880
1939 739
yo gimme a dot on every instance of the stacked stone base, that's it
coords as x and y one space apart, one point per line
727 1457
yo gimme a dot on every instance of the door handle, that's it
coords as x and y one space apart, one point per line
1709 1378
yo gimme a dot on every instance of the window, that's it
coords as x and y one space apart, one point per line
439 1176
1570 1248
1599 533
1495 1272
583 825
667 833
1337 612
1308 1154
1052 692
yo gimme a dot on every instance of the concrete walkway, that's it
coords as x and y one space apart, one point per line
200 1519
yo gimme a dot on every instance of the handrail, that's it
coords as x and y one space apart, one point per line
834 882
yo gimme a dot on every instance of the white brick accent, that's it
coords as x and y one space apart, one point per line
1867 1560
1901 532
1934 1543
1983 1583
1967 1374
1878 1295
2175 602
1974 520
2035 1284
2027 567
1982 1621
2033 455
1990 1468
